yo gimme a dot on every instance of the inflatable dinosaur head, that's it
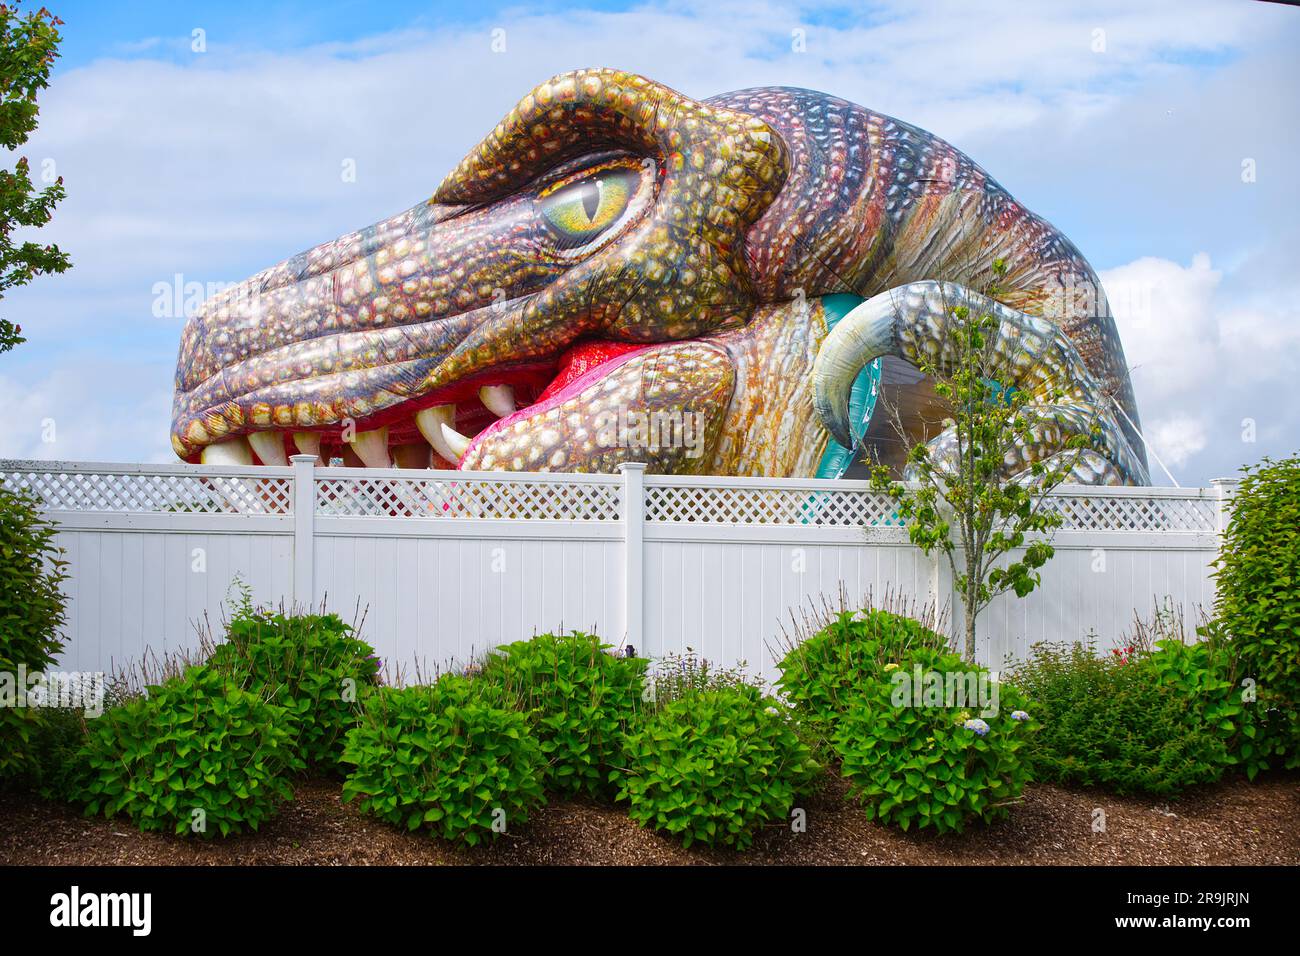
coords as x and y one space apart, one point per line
616 272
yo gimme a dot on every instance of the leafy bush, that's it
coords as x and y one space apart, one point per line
713 766
197 755
823 674
580 699
312 665
1157 723
59 731
918 762
453 756
32 613
1203 675
55 748
1258 593
679 675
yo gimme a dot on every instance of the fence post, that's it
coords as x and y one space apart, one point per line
634 553
304 530
1225 488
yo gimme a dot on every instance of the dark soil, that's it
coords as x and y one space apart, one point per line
1234 822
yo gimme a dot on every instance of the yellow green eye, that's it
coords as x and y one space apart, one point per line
581 211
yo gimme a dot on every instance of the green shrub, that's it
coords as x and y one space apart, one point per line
716 765
1205 676
1127 722
917 762
580 700
32 614
197 755
55 751
312 665
823 674
1258 594
454 757
56 748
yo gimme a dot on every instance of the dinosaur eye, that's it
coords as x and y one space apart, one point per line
579 211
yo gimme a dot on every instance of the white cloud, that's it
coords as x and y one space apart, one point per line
1175 440
86 411
1166 318
1206 357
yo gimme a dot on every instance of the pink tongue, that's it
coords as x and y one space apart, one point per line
582 358
577 365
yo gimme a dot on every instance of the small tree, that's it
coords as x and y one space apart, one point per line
966 488
28 45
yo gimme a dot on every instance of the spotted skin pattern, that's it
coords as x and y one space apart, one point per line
747 210
658 383
1029 351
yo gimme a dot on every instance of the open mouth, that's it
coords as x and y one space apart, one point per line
445 428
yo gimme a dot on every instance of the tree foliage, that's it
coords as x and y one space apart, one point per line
963 502
29 43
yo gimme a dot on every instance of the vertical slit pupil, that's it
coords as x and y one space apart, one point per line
590 199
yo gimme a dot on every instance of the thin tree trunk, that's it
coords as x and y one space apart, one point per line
974 574
970 634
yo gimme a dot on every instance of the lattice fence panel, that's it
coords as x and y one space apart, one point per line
723 505
767 506
469 498
1106 513
132 493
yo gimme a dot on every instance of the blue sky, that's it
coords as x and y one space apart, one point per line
1128 128
96 29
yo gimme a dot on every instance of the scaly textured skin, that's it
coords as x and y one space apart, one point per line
700 299
916 322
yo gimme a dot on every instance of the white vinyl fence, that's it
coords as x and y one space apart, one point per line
449 564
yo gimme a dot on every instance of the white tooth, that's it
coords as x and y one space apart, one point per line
372 447
430 422
499 399
456 442
232 451
269 447
308 442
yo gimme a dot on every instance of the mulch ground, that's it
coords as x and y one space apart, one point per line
1234 822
